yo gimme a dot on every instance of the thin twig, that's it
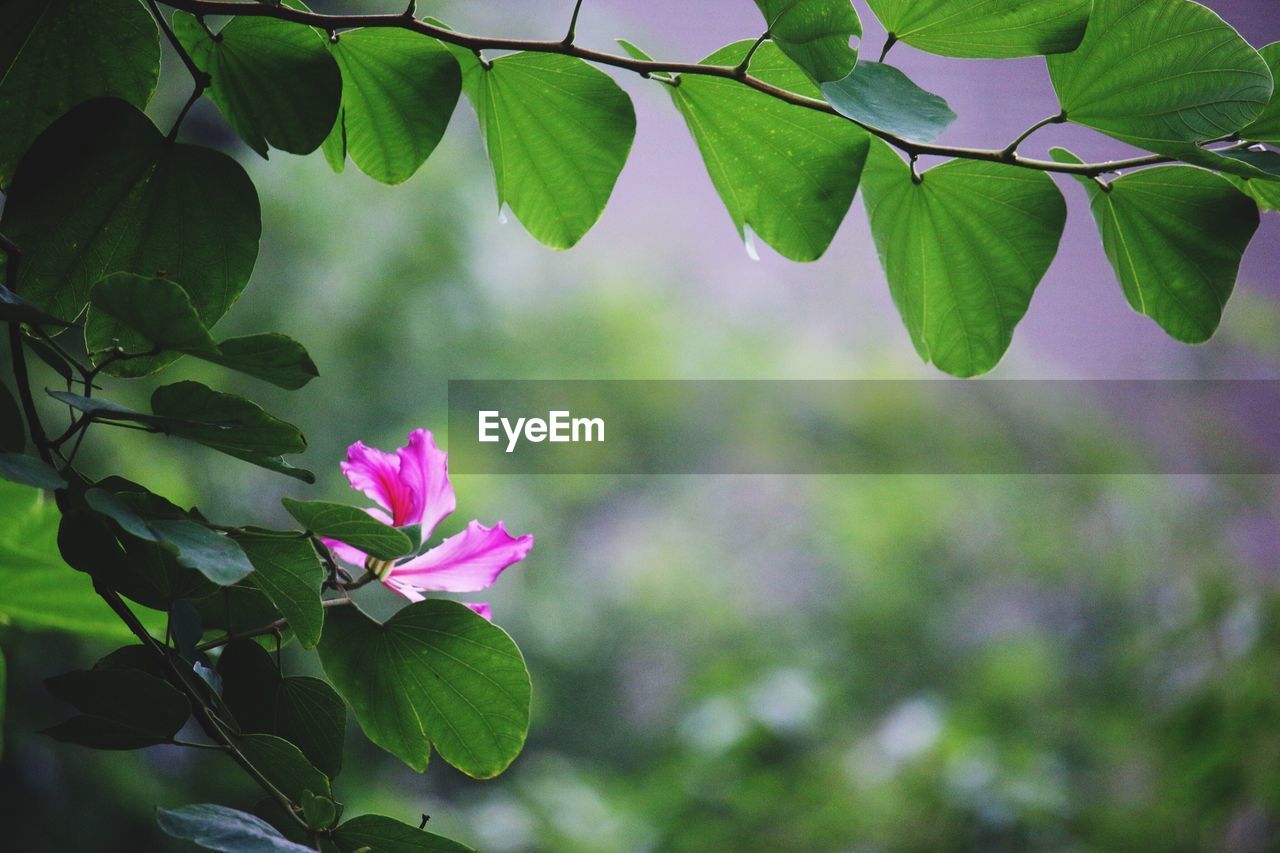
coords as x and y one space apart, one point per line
573 25
200 78
262 630
740 70
1012 147
889 41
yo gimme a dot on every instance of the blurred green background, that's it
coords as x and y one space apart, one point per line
736 663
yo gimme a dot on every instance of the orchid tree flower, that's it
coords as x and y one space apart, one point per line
411 487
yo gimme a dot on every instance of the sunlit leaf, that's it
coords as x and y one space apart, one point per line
1160 71
1174 236
434 673
993 29
963 249
353 526
289 572
1266 127
399 91
816 34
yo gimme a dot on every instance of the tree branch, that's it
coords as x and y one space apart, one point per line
644 68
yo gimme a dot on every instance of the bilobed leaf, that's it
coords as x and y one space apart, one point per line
30 471
399 90
319 812
56 53
289 572
963 249
1153 71
880 96
992 29
120 708
284 765
1266 127
230 424
1174 236
353 526
304 711
816 34
558 132
387 835
215 827
162 317
102 191
787 173
274 81
434 673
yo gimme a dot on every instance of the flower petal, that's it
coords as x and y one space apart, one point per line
424 468
346 553
481 608
466 562
377 474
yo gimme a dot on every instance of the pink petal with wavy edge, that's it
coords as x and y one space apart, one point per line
466 562
412 484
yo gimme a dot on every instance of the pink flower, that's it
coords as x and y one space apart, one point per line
411 487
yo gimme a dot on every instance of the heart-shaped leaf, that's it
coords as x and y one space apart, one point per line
880 96
963 247
434 673
288 570
992 29
816 34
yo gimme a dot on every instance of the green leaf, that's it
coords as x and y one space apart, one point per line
786 173
212 554
120 709
304 711
816 34
103 191
1152 71
56 53
1265 193
15 309
13 434
3 691
274 81
399 90
284 765
1266 127
161 316
290 573
216 827
319 812
990 29
387 835
37 590
272 357
880 96
30 471
434 673
558 133
234 609
353 526
1174 236
230 424
963 249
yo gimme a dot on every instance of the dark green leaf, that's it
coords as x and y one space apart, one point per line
230 424
120 708
558 133
50 357
213 554
1265 193
1152 71
1266 127
386 835
290 573
880 96
272 357
963 249
56 53
15 309
284 765
785 173
994 29
816 34
238 608
319 812
216 827
13 435
434 673
30 471
1174 236
353 526
103 191
274 81
3 690
304 711
399 90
